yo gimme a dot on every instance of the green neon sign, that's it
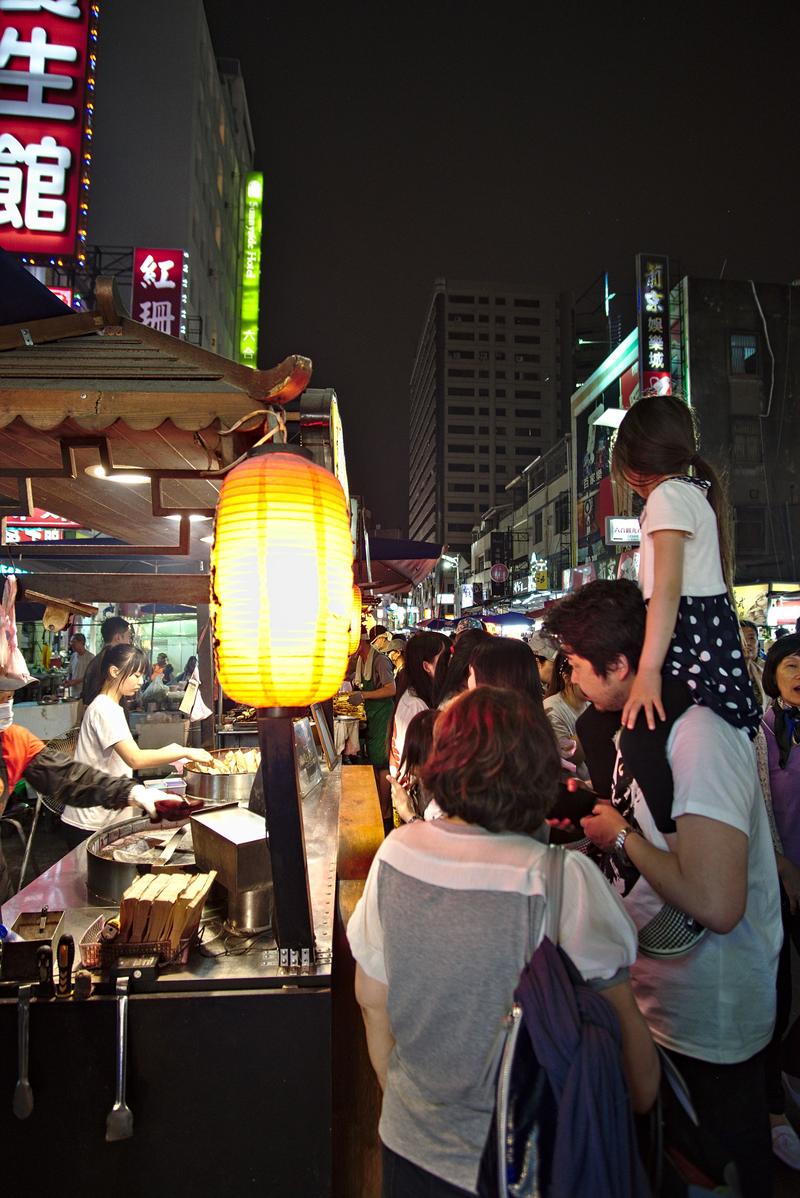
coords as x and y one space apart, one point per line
251 269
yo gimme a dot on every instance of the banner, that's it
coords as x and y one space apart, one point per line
160 284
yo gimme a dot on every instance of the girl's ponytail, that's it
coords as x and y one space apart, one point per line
718 498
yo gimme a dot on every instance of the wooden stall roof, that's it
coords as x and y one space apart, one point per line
159 402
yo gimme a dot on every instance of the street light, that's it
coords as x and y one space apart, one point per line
448 560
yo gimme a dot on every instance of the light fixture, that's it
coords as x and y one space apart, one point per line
355 620
193 516
128 476
281 603
282 567
209 540
610 418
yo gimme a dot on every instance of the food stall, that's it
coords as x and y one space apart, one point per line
224 1054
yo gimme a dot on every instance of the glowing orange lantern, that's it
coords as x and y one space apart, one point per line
355 620
282 581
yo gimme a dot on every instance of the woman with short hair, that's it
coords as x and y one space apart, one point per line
451 912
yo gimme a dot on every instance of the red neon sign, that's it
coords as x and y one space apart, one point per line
160 280
47 67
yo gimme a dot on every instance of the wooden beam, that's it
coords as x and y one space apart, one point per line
192 589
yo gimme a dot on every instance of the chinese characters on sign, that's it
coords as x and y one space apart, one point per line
251 269
47 67
652 298
42 519
160 283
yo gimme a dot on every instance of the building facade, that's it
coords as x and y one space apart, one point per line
736 359
172 149
529 535
484 402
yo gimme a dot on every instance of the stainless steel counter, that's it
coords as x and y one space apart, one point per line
221 963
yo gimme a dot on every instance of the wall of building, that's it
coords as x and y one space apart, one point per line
171 146
488 375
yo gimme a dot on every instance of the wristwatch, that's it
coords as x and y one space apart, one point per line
619 844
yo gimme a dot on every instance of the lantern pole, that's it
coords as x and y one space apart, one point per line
294 924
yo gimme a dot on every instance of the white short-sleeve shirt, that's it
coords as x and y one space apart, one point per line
104 725
683 506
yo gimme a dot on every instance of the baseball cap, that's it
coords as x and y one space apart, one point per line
543 646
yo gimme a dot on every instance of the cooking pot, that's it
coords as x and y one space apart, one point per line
106 879
218 788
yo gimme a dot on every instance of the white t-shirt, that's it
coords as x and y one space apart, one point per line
409 705
717 1002
104 725
78 665
683 506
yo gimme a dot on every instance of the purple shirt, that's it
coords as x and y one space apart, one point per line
785 787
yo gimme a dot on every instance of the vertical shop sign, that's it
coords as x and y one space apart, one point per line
160 286
251 269
652 305
47 70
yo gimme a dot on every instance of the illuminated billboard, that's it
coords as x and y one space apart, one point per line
251 269
160 289
652 304
47 69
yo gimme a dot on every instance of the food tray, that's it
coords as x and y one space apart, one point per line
101 954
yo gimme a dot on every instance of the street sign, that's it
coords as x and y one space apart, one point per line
499 572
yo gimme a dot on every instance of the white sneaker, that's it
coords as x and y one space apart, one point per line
786 1145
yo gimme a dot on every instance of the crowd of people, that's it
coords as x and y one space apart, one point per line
642 730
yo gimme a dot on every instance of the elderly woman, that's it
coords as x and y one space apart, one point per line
781 682
451 912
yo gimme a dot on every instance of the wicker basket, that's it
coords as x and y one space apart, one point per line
101 954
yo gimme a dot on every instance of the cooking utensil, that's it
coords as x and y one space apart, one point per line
119 1122
178 808
22 1105
170 846
44 967
65 956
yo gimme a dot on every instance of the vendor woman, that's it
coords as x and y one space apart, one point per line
24 756
374 683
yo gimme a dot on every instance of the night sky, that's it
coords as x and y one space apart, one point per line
531 142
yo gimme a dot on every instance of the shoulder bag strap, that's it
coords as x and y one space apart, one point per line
554 889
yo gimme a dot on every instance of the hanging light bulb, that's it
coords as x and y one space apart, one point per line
355 620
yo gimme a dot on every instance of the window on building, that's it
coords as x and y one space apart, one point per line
483 392
453 411
500 337
751 530
466 448
483 299
460 428
458 527
459 336
561 512
483 430
526 413
458 372
500 411
460 391
521 302
468 487
527 321
483 336
499 299
483 467
745 355
527 339
538 526
462 299
460 507
483 318
483 487
500 431
746 439
500 392
483 411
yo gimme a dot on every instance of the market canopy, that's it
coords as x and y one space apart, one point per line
93 389
396 566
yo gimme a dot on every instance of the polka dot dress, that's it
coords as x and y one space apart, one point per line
706 654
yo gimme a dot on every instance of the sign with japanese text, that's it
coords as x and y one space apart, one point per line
47 68
251 269
41 519
26 536
623 530
159 295
652 305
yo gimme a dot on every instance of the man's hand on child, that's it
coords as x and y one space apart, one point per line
645 694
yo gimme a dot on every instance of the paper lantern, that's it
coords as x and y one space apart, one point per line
282 581
355 620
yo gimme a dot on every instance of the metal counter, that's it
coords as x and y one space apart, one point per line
63 887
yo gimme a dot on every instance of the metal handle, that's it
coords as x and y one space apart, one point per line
23 1027
122 1037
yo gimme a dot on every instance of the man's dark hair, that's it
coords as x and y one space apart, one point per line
78 636
601 621
787 646
376 631
112 627
494 762
749 624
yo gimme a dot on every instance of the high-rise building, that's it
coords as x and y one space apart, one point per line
484 402
172 148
